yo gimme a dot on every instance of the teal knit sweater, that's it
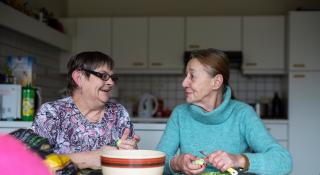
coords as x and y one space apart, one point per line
233 127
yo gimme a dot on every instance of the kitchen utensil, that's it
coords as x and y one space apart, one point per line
232 171
148 105
132 162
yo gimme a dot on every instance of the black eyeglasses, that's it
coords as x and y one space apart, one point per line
103 76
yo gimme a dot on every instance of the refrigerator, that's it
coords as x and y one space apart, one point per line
304 91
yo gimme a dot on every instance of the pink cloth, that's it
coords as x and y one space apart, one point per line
16 159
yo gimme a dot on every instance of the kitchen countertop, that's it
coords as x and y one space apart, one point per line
164 120
133 119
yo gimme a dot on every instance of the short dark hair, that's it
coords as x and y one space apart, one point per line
86 60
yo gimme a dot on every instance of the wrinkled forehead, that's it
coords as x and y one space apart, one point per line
194 65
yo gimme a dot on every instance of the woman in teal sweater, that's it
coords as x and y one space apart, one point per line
220 126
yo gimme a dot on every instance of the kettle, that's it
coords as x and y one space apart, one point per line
148 105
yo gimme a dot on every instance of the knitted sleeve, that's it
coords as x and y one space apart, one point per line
268 156
169 142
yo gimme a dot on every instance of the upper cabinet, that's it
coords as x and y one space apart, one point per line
94 34
263 45
304 40
88 34
166 43
222 33
129 43
156 44
148 45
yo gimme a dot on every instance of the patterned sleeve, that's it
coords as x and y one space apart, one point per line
124 121
46 122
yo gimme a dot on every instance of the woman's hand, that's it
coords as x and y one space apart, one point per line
126 143
223 160
183 163
89 159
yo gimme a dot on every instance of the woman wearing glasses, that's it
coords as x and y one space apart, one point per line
84 123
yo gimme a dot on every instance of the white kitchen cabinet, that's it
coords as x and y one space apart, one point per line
88 34
263 45
150 134
93 34
129 42
304 121
304 39
279 130
9 126
166 43
222 33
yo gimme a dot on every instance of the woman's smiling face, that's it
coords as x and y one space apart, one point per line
97 89
198 84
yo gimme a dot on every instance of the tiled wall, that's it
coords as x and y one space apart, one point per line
46 67
246 88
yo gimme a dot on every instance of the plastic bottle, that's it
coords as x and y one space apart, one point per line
28 102
276 105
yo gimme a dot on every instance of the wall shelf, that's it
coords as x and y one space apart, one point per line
19 22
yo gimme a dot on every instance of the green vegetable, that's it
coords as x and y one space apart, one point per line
118 143
199 162
214 173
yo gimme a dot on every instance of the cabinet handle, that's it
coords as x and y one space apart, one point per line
137 63
299 76
194 46
156 64
251 64
299 65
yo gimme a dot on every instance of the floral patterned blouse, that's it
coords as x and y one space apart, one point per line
69 131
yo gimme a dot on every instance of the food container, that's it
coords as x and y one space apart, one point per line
132 162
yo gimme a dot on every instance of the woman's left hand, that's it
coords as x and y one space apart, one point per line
126 143
223 160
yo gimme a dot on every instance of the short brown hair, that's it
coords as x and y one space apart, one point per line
86 60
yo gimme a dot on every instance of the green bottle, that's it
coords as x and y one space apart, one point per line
28 99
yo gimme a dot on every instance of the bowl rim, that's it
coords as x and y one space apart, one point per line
132 154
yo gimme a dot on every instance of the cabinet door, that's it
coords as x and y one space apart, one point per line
93 34
129 42
87 34
279 131
304 121
150 134
304 40
149 138
264 44
166 43
214 32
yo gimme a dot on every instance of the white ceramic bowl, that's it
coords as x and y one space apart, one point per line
132 162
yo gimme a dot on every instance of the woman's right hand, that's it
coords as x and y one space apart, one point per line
183 163
126 143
